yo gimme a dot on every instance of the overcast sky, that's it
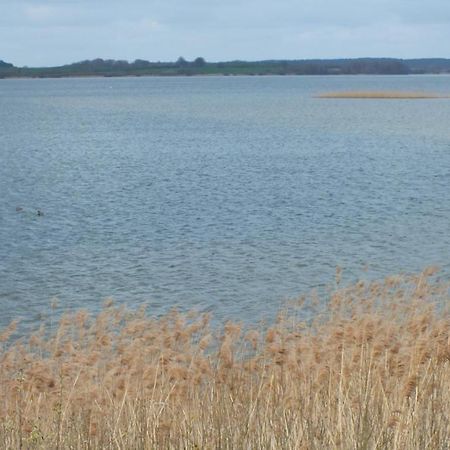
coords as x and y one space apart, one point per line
53 32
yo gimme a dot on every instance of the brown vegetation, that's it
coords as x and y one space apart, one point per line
381 95
371 370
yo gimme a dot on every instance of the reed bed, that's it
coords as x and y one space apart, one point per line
381 95
366 368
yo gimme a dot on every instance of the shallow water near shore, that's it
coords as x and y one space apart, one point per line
222 194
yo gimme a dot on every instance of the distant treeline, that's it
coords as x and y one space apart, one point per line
140 67
4 65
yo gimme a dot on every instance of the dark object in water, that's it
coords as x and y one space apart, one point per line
19 209
40 213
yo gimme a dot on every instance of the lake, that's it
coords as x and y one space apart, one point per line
222 194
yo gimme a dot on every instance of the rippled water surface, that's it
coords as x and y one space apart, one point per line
226 194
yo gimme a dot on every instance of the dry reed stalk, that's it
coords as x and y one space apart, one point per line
370 370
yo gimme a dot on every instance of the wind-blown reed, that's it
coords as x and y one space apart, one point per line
369 368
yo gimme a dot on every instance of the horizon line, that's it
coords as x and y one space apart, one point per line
130 61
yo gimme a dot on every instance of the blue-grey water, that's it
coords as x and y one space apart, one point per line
225 194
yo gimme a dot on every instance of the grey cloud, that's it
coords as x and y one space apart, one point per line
46 32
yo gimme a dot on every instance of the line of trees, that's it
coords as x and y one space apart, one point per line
198 66
5 65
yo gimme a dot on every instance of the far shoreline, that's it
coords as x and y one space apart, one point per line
224 75
99 67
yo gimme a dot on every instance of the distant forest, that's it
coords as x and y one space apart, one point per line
140 67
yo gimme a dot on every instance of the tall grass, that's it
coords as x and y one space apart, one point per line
369 370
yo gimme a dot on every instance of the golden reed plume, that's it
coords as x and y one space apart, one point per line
368 367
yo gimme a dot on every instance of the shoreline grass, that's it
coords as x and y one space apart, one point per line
381 95
370 371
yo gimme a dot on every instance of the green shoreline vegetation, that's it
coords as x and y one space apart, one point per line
120 68
369 370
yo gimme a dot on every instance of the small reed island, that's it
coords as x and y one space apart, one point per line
381 95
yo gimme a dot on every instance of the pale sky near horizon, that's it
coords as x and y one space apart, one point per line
54 32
